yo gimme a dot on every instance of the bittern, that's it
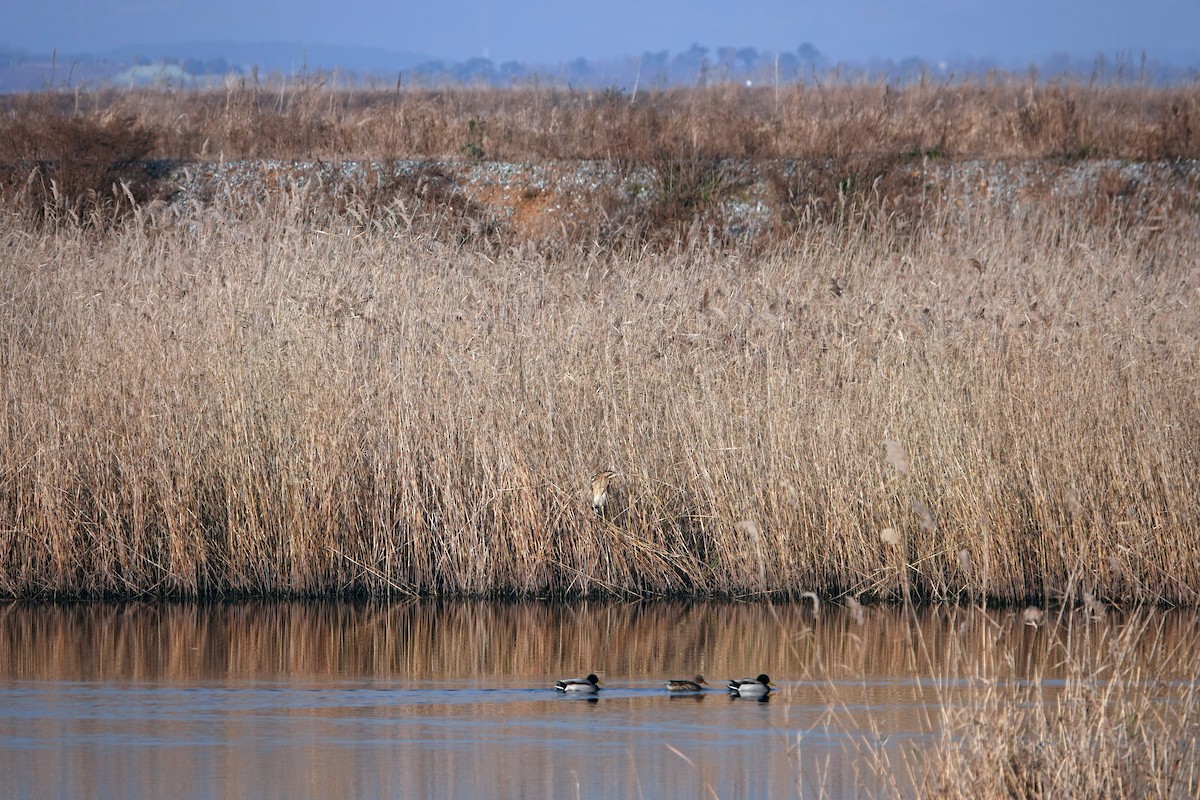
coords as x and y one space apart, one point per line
601 482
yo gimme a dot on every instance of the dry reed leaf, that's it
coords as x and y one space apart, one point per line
896 455
924 515
681 755
890 536
749 531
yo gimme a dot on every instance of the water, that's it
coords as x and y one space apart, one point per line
428 699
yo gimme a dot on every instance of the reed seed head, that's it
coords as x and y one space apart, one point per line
896 455
924 515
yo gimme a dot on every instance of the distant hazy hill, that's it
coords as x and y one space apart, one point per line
276 56
25 71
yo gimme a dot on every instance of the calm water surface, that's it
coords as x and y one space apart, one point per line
426 699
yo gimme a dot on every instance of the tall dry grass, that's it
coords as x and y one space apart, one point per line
284 401
1003 116
1120 723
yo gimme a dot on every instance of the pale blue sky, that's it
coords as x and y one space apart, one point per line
546 31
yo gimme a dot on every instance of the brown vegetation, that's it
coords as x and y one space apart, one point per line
825 146
375 388
1005 117
1102 729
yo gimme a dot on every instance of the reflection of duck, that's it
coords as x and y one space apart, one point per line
696 684
588 685
757 687
683 697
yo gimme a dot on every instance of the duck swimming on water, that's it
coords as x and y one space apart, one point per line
756 687
680 686
589 685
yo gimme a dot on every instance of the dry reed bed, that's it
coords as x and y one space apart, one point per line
289 403
1004 116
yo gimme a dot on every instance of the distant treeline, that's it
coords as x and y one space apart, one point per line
696 66
699 66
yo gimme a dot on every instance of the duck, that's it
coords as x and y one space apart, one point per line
756 687
696 684
589 685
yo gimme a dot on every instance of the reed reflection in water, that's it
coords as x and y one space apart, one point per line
444 699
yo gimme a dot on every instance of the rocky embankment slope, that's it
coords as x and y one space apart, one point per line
546 200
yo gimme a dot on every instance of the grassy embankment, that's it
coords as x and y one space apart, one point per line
308 393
